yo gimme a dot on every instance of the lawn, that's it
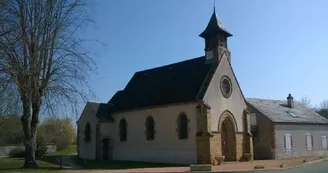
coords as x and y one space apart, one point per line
15 164
46 163
93 164
70 150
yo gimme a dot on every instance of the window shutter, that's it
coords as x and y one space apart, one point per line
309 142
291 142
324 142
288 142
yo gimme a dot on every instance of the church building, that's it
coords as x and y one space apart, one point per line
188 112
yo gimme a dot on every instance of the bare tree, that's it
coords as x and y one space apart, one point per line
306 101
323 110
324 104
42 59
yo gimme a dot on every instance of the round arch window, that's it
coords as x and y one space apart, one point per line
225 85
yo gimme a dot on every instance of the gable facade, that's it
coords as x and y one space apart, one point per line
87 148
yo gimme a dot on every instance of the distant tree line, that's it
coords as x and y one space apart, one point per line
322 109
59 131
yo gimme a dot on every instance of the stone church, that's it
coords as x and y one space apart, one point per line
187 112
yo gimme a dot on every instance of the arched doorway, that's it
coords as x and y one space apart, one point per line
228 139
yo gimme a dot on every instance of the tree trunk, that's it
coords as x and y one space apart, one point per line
30 148
29 134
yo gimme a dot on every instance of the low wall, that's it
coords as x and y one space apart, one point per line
9 149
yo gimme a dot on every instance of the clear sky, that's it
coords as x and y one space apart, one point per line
278 46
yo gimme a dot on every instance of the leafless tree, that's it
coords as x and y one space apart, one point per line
42 58
324 104
306 101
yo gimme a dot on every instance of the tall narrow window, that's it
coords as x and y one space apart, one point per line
288 142
123 130
324 142
183 126
309 143
87 132
150 128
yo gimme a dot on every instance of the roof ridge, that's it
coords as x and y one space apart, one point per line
272 100
169 64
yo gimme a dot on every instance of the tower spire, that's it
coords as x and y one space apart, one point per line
214 6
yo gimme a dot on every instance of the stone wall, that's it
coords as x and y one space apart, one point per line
263 139
203 136
6 151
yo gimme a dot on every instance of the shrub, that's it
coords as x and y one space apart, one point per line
58 131
11 131
41 147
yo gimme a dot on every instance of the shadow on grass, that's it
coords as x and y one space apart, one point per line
14 164
52 163
93 164
31 169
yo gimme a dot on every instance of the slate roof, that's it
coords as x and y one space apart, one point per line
173 83
277 111
215 25
101 110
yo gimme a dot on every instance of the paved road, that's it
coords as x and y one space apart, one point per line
311 168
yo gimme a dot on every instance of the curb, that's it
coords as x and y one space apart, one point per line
273 169
263 170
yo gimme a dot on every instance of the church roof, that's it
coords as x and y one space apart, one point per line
101 110
214 25
278 112
173 83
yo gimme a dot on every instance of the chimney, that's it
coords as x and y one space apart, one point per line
290 101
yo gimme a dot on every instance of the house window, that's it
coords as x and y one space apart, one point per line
309 142
225 86
288 142
87 132
324 142
150 128
183 126
123 130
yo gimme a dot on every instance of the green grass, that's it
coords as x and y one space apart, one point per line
15 164
93 164
70 150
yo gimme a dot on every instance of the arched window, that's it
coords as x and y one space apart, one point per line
87 132
123 130
150 128
183 126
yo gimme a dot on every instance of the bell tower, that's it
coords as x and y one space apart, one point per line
216 36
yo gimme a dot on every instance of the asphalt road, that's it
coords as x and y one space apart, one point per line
311 168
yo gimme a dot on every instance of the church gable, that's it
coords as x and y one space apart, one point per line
224 94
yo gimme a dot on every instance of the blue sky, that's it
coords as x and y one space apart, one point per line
278 47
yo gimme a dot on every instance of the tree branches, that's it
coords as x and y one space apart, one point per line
42 60
39 49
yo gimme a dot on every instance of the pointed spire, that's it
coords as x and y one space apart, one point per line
214 6
214 25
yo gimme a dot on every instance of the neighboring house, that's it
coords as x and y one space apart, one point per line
286 129
186 112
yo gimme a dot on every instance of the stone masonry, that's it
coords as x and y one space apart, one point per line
209 143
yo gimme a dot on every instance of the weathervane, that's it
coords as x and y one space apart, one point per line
214 3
